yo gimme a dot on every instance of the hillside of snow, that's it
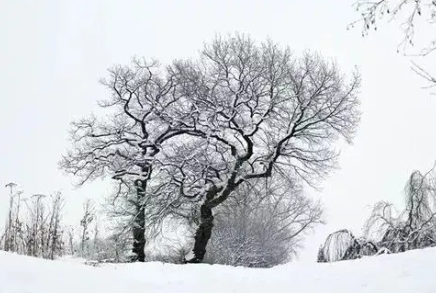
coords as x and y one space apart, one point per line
413 271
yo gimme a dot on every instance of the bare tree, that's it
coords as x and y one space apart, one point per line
18 223
96 238
126 145
262 225
55 241
10 234
70 239
85 222
36 225
261 110
8 231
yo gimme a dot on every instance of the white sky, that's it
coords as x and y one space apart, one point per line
52 54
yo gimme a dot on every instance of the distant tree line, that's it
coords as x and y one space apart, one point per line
33 225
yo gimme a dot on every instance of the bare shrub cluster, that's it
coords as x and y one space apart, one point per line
33 225
387 231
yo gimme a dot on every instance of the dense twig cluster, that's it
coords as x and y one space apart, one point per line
262 225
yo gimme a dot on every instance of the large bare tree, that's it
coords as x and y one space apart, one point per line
126 143
261 111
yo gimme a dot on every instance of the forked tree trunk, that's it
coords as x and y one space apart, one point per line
203 234
138 228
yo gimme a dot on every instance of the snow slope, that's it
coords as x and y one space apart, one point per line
412 271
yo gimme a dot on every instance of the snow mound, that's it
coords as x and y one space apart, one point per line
412 271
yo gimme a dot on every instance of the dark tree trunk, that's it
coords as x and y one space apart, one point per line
203 233
139 222
204 230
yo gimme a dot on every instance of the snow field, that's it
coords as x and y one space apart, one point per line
410 272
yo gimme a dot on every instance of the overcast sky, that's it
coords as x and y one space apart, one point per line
52 54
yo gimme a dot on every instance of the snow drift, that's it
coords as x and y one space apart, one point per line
411 271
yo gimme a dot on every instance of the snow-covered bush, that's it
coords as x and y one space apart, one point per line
343 245
263 225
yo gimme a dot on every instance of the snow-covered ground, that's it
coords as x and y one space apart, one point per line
409 272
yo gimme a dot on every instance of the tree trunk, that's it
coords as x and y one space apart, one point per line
139 222
9 232
203 233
